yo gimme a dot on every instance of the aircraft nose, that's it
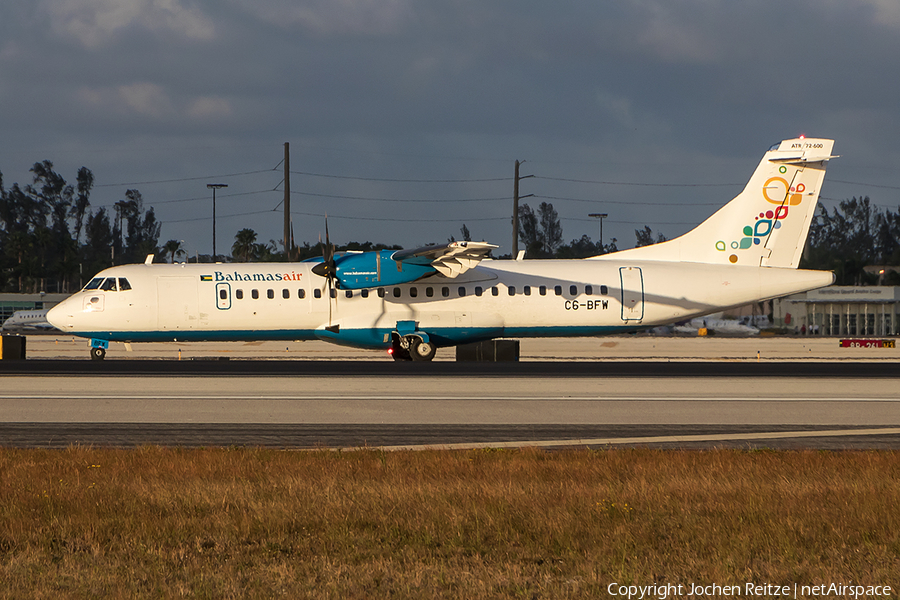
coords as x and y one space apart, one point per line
60 315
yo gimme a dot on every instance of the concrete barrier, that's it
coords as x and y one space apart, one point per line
489 351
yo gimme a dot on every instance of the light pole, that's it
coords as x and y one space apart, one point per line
600 216
214 187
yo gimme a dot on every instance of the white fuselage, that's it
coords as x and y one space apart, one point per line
531 298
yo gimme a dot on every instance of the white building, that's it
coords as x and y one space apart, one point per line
841 311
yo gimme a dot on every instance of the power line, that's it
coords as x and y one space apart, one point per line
246 214
883 187
184 179
630 203
197 198
632 222
450 220
333 216
398 199
632 183
402 180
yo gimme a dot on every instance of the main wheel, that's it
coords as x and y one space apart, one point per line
98 353
421 351
399 354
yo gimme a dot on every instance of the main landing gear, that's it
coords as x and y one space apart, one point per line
412 347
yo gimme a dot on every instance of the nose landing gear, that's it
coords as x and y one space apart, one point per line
98 349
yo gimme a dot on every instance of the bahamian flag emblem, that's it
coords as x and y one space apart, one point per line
206 278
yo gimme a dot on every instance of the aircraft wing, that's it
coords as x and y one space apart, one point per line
450 260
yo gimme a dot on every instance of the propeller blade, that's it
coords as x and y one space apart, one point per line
327 269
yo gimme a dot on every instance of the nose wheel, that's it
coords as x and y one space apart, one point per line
98 353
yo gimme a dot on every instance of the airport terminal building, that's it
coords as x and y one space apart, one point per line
841 311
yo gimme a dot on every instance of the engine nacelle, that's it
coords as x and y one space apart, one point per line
374 269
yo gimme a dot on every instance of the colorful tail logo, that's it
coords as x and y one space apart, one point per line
782 194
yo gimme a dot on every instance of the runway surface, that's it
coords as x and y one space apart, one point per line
297 404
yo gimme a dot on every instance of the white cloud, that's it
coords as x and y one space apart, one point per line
152 102
677 32
618 108
209 107
368 17
887 12
93 22
146 99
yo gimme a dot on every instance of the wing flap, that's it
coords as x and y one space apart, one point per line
450 260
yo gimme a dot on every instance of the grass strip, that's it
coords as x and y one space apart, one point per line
255 523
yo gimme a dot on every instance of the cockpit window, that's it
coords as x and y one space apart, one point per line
109 284
94 283
123 284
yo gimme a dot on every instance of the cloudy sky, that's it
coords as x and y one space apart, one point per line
405 117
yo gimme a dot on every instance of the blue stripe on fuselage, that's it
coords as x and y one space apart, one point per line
363 338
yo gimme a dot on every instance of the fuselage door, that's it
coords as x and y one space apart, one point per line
223 295
632 293
178 305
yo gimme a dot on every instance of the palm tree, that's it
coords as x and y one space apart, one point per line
243 247
172 248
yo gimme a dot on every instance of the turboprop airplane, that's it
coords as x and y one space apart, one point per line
412 302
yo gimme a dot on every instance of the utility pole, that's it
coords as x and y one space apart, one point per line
515 214
214 187
600 216
288 243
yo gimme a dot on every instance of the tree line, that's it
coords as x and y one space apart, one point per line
52 240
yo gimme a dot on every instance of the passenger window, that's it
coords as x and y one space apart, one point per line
429 291
333 293
478 291
270 294
94 283
364 293
381 292
396 292
223 294
285 293
317 293
413 292
573 289
526 290
589 290
462 292
604 290
255 294
542 290
239 294
301 294
512 290
123 284
495 291
109 284
557 290
349 293
445 292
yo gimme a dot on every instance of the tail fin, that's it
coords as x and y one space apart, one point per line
765 225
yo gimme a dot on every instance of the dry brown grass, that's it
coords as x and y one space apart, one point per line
222 523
